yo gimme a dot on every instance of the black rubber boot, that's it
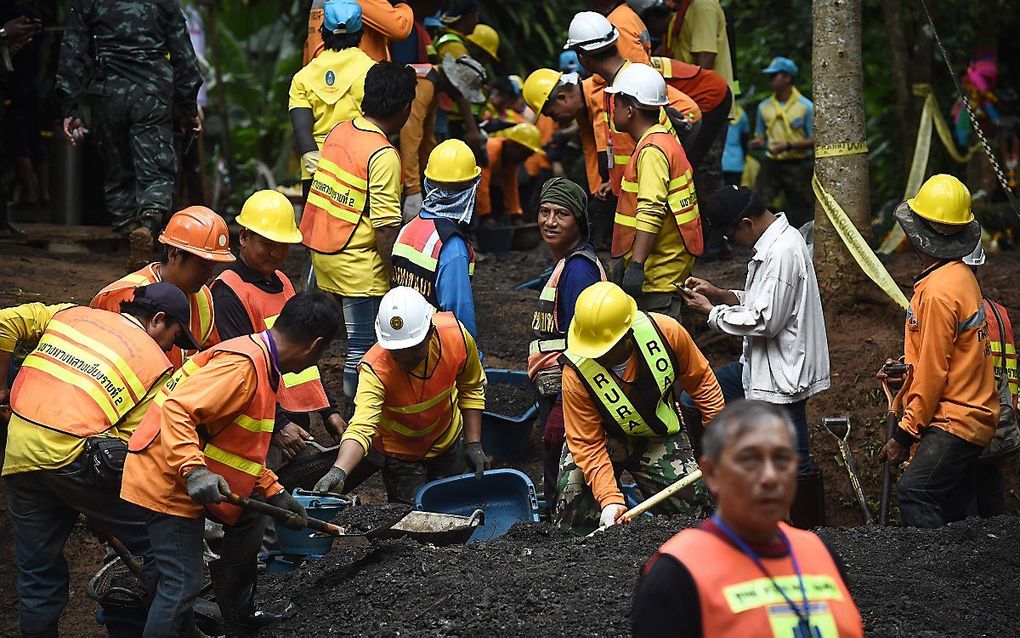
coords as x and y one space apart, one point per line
808 509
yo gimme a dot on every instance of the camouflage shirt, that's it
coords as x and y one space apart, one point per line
133 45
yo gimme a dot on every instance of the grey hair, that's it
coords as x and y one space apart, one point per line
736 420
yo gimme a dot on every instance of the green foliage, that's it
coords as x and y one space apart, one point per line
532 32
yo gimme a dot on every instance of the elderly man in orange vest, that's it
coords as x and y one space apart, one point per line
713 580
78 397
419 403
207 435
196 239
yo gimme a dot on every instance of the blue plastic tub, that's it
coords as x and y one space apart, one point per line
506 496
506 436
306 542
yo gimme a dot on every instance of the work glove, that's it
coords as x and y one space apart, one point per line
299 519
610 513
333 481
476 459
206 487
412 206
633 279
310 161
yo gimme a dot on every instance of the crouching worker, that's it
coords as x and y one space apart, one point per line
64 422
421 392
207 434
620 376
744 572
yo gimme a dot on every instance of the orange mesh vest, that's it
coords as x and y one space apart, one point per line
203 319
237 452
91 368
417 411
1003 344
339 194
416 255
681 201
737 599
300 391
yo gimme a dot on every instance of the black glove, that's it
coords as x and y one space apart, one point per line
633 279
333 481
299 518
205 487
476 459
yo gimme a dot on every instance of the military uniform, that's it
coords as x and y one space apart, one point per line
141 73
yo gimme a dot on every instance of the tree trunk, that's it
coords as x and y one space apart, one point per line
899 68
839 118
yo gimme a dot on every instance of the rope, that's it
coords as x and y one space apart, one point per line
973 116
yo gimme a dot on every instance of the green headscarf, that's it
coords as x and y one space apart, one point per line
563 192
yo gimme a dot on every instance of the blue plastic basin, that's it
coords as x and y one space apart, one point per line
506 496
305 542
506 436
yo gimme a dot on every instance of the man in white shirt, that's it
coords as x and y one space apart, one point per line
785 356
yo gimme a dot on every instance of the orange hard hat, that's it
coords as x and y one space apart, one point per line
199 231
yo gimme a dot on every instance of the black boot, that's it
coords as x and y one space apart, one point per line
235 596
808 509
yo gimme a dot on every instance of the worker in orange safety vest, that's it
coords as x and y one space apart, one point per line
384 21
195 240
507 150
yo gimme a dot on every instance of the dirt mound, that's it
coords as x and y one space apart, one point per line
365 518
537 580
509 399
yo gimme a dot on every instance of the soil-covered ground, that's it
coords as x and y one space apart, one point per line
860 339
538 581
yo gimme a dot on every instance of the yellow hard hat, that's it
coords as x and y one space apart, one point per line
943 199
603 314
270 214
539 86
452 161
525 134
485 38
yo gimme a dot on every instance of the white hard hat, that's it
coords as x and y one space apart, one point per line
643 83
404 319
977 257
590 32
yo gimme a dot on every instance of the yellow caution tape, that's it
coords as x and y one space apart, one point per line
843 148
858 248
931 115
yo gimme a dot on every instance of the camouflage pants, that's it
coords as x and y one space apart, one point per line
135 136
403 479
653 463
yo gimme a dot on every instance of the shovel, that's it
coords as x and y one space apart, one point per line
655 499
890 374
842 424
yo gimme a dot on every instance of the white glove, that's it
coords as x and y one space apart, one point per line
610 513
310 161
412 206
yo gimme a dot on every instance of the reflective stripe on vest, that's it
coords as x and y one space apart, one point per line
418 411
736 599
416 255
1001 339
604 388
339 193
90 368
299 391
544 322
682 201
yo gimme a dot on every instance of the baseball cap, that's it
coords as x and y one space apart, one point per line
780 64
729 205
342 16
168 299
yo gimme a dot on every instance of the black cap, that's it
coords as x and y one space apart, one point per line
729 205
168 299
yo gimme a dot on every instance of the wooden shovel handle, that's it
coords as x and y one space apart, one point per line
280 514
661 496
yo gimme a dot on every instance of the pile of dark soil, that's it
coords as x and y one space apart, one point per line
536 580
509 399
364 518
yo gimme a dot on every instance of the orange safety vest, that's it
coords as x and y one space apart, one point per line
737 599
681 200
339 194
203 318
1003 345
418 411
706 87
237 452
416 255
300 391
551 339
90 369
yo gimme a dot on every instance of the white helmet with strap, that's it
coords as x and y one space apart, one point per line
590 32
404 319
643 83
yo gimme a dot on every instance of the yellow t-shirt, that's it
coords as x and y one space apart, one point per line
704 31
669 260
469 395
357 270
332 86
31 447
